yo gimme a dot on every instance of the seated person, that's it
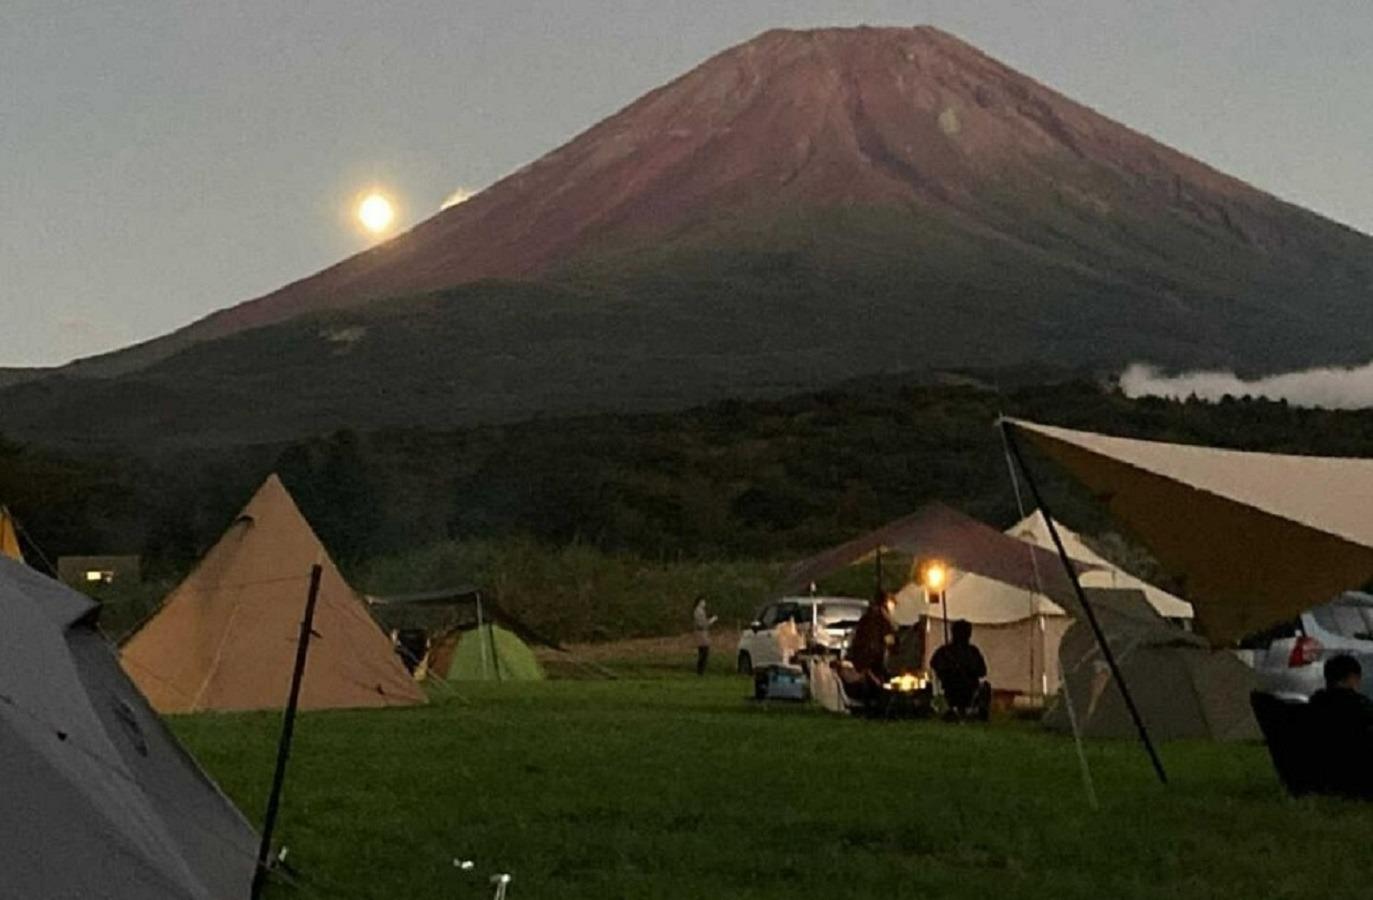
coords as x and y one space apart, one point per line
1342 722
960 668
872 637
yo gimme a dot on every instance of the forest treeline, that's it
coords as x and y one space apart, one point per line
732 480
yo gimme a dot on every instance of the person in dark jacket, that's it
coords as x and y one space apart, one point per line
1342 722
873 636
960 668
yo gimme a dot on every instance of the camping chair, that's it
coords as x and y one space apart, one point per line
853 685
1286 727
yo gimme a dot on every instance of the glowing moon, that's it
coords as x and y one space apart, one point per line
376 213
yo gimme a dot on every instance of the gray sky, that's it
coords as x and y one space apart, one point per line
159 160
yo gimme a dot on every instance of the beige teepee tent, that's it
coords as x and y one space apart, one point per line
226 637
9 537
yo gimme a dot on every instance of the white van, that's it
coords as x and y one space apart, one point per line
761 643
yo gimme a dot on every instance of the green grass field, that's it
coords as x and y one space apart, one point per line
677 787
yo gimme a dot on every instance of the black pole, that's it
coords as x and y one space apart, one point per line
1086 607
495 656
879 572
944 605
264 850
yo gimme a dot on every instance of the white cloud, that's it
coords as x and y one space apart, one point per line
1331 388
461 195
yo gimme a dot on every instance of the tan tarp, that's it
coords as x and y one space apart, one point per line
936 531
1182 687
226 637
9 537
1255 538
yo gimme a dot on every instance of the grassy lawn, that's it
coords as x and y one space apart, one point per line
678 787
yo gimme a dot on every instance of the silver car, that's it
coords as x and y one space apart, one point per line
1289 659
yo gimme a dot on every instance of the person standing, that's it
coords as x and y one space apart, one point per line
701 619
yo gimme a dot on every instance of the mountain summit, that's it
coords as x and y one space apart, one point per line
812 205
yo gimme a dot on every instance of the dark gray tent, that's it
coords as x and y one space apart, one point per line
99 798
1183 687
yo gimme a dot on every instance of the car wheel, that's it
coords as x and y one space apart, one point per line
745 663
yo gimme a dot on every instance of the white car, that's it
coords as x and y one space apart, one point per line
767 642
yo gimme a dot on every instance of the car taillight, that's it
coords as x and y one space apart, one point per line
1304 652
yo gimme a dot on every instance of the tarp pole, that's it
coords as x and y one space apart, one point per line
944 605
288 724
481 643
1086 606
495 657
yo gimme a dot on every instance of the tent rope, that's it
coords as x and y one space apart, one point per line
218 657
1088 785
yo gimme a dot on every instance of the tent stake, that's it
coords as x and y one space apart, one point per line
287 728
1086 607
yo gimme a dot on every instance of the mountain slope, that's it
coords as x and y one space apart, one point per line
804 207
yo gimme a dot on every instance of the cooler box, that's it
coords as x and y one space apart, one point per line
780 683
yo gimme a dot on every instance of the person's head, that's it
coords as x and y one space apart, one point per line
962 631
1343 671
699 602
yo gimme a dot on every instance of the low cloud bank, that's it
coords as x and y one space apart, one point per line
1330 388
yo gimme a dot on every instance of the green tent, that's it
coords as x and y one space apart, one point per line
489 653
457 634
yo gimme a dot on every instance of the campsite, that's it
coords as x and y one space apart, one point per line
761 450
436 741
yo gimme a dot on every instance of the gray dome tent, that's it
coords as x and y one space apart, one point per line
100 799
1183 688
